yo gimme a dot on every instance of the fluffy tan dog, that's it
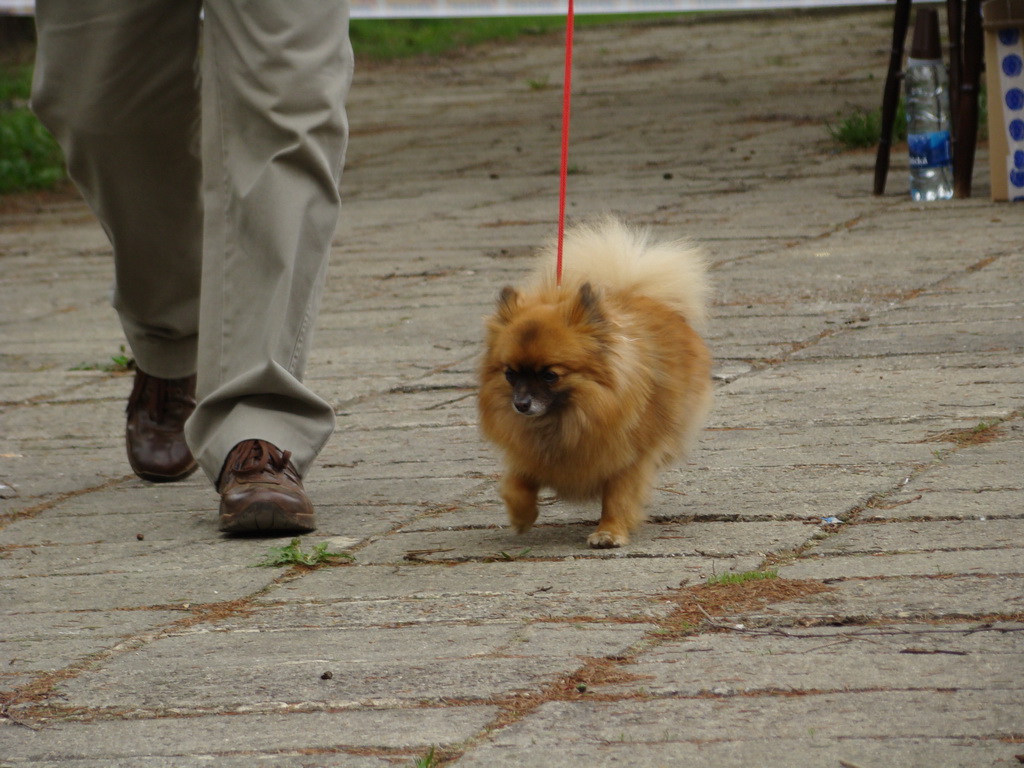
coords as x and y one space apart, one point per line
589 388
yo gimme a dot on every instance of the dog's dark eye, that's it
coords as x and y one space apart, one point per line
548 376
511 376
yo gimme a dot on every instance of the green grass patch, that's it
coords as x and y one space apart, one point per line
742 578
387 39
29 156
862 128
292 554
15 83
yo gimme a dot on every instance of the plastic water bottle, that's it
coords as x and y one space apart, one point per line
927 102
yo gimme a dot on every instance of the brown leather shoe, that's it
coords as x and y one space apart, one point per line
260 492
155 436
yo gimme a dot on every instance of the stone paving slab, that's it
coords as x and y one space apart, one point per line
827 445
827 659
387 490
42 386
44 642
640 577
196 523
923 537
970 562
265 669
987 466
89 559
664 540
161 741
952 337
903 390
328 757
123 589
941 597
978 504
351 757
884 728
55 471
429 449
957 752
446 612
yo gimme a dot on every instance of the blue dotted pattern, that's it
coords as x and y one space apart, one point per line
1012 65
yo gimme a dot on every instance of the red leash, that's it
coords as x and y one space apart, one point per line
564 167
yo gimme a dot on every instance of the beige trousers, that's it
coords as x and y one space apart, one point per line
211 152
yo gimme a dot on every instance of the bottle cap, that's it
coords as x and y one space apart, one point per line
926 43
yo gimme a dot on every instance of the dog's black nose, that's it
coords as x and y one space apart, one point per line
522 404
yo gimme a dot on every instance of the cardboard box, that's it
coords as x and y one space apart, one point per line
1003 22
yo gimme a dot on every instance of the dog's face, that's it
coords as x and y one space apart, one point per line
544 350
536 392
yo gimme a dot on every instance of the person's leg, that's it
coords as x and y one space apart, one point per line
116 83
275 79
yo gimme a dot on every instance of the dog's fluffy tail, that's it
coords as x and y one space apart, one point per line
611 254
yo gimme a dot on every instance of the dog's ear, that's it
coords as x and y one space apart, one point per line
508 302
586 308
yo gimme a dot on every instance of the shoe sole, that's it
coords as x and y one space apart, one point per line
155 478
267 518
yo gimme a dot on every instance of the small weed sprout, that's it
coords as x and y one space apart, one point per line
862 128
292 554
742 578
120 363
429 760
506 556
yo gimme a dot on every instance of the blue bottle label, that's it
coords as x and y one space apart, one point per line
929 150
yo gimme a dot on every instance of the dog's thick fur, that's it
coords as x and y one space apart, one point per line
589 388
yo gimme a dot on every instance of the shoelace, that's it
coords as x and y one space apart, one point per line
255 456
162 394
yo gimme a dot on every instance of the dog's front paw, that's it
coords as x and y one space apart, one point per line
522 526
522 518
520 497
607 540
